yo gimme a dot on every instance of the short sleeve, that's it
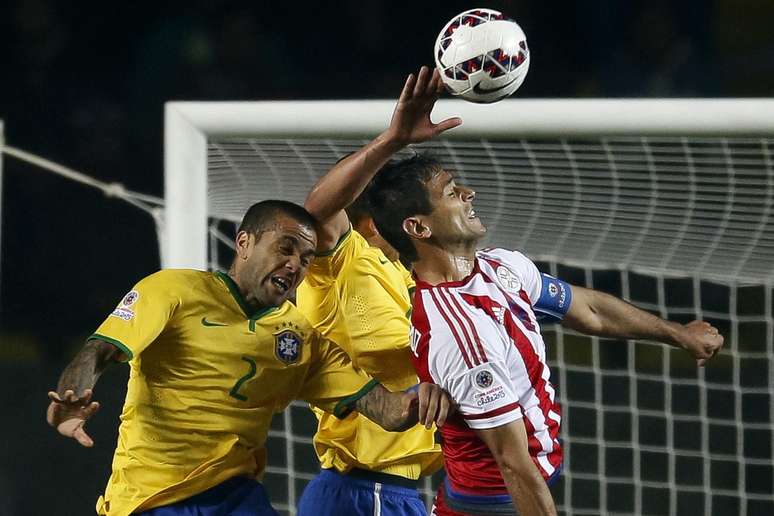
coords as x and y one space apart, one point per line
326 266
485 396
375 328
332 382
550 297
140 316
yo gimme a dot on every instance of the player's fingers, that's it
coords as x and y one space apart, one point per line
432 409
423 402
82 437
422 79
408 88
51 413
54 396
443 410
445 125
70 397
90 410
432 85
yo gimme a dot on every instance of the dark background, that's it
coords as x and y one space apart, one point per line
84 83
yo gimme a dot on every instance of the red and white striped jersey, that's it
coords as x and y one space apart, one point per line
479 339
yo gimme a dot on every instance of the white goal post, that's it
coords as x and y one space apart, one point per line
666 202
190 126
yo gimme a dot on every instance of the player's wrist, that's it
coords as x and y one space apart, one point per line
392 141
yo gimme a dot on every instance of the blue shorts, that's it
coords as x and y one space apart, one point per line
238 496
332 494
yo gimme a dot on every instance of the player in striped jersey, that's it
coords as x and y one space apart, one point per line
476 333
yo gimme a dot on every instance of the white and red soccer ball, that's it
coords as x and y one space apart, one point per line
482 55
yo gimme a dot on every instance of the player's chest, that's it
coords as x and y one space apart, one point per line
227 340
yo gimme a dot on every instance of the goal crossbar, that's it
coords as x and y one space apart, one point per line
189 126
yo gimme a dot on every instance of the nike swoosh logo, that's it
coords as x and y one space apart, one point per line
385 262
482 91
205 322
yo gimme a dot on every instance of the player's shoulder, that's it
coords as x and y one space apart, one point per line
502 256
173 278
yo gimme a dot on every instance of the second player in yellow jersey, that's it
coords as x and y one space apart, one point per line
357 294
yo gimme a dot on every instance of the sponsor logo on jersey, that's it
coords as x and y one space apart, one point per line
287 346
484 379
123 313
130 298
553 290
508 279
205 322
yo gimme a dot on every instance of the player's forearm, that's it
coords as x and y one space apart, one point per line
528 490
597 313
393 411
85 369
348 178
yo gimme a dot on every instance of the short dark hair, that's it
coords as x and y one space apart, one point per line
399 191
359 209
261 216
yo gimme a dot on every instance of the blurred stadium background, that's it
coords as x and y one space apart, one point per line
85 86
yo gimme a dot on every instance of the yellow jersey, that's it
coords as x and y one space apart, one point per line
206 376
359 299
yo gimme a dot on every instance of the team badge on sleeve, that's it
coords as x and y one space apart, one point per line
508 279
484 379
130 298
287 347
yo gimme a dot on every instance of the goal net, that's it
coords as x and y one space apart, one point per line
667 203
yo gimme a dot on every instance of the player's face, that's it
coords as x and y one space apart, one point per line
278 261
453 219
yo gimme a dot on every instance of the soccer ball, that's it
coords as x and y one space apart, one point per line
482 55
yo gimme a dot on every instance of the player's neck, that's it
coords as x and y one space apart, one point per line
247 296
437 265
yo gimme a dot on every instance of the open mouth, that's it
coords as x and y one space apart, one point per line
282 284
472 214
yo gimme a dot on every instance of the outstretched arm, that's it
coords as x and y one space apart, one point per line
596 313
528 490
399 411
348 178
71 403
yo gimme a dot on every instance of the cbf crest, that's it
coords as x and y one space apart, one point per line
287 345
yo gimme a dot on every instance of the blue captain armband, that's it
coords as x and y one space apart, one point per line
554 301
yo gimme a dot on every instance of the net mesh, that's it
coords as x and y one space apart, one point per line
680 226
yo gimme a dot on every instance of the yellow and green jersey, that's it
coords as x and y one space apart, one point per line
206 376
359 299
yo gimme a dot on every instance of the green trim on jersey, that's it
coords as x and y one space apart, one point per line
232 287
338 243
117 343
344 407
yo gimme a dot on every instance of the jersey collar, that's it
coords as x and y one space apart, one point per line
232 287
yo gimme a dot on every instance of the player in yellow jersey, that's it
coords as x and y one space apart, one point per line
213 356
357 294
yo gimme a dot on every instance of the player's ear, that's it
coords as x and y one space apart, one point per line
242 245
415 228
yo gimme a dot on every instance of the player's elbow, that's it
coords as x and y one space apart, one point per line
520 468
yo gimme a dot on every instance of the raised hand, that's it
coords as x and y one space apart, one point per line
68 414
701 340
411 119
